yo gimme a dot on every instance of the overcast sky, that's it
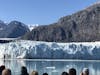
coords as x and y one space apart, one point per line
40 11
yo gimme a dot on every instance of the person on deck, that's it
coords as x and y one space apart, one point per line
64 73
2 67
34 73
6 72
72 71
85 71
24 71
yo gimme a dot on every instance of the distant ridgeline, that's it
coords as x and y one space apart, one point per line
83 26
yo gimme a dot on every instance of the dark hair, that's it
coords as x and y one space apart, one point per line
45 73
72 71
2 67
24 71
64 73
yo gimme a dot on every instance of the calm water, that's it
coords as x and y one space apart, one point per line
52 67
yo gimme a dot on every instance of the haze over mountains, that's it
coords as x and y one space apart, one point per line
78 27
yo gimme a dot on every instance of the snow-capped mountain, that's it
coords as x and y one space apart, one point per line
13 29
35 49
2 25
32 26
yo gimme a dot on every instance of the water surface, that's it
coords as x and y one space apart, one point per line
52 67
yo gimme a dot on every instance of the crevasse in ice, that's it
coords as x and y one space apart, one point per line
50 50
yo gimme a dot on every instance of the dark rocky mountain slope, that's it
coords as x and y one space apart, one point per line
81 26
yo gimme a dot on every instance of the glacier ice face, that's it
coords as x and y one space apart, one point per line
50 50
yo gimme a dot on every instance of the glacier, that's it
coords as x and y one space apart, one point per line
50 50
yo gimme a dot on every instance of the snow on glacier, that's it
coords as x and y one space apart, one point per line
39 49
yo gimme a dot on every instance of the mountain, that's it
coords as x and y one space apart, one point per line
81 26
12 30
2 25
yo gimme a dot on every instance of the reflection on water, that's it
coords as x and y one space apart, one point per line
51 67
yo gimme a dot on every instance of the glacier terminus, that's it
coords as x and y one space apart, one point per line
50 50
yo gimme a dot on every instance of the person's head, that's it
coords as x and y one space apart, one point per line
34 73
45 73
72 71
6 72
81 73
85 71
64 73
2 67
24 70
